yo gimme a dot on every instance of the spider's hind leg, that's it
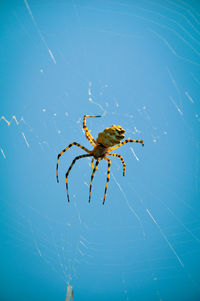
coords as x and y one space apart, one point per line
87 133
124 142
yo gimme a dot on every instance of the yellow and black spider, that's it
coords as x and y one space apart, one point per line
103 145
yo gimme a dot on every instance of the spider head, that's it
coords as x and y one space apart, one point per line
111 136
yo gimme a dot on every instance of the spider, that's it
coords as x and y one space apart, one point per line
103 146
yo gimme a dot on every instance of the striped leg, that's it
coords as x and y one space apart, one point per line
64 150
87 133
94 169
119 156
92 163
124 142
77 158
108 177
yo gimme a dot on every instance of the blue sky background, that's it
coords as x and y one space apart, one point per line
137 63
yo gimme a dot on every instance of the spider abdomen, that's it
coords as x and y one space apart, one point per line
111 136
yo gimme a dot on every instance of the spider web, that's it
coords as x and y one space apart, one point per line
137 65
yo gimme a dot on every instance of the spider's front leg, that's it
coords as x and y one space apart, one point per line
108 178
121 158
94 169
92 165
67 173
64 150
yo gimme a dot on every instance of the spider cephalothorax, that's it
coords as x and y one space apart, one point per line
103 145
